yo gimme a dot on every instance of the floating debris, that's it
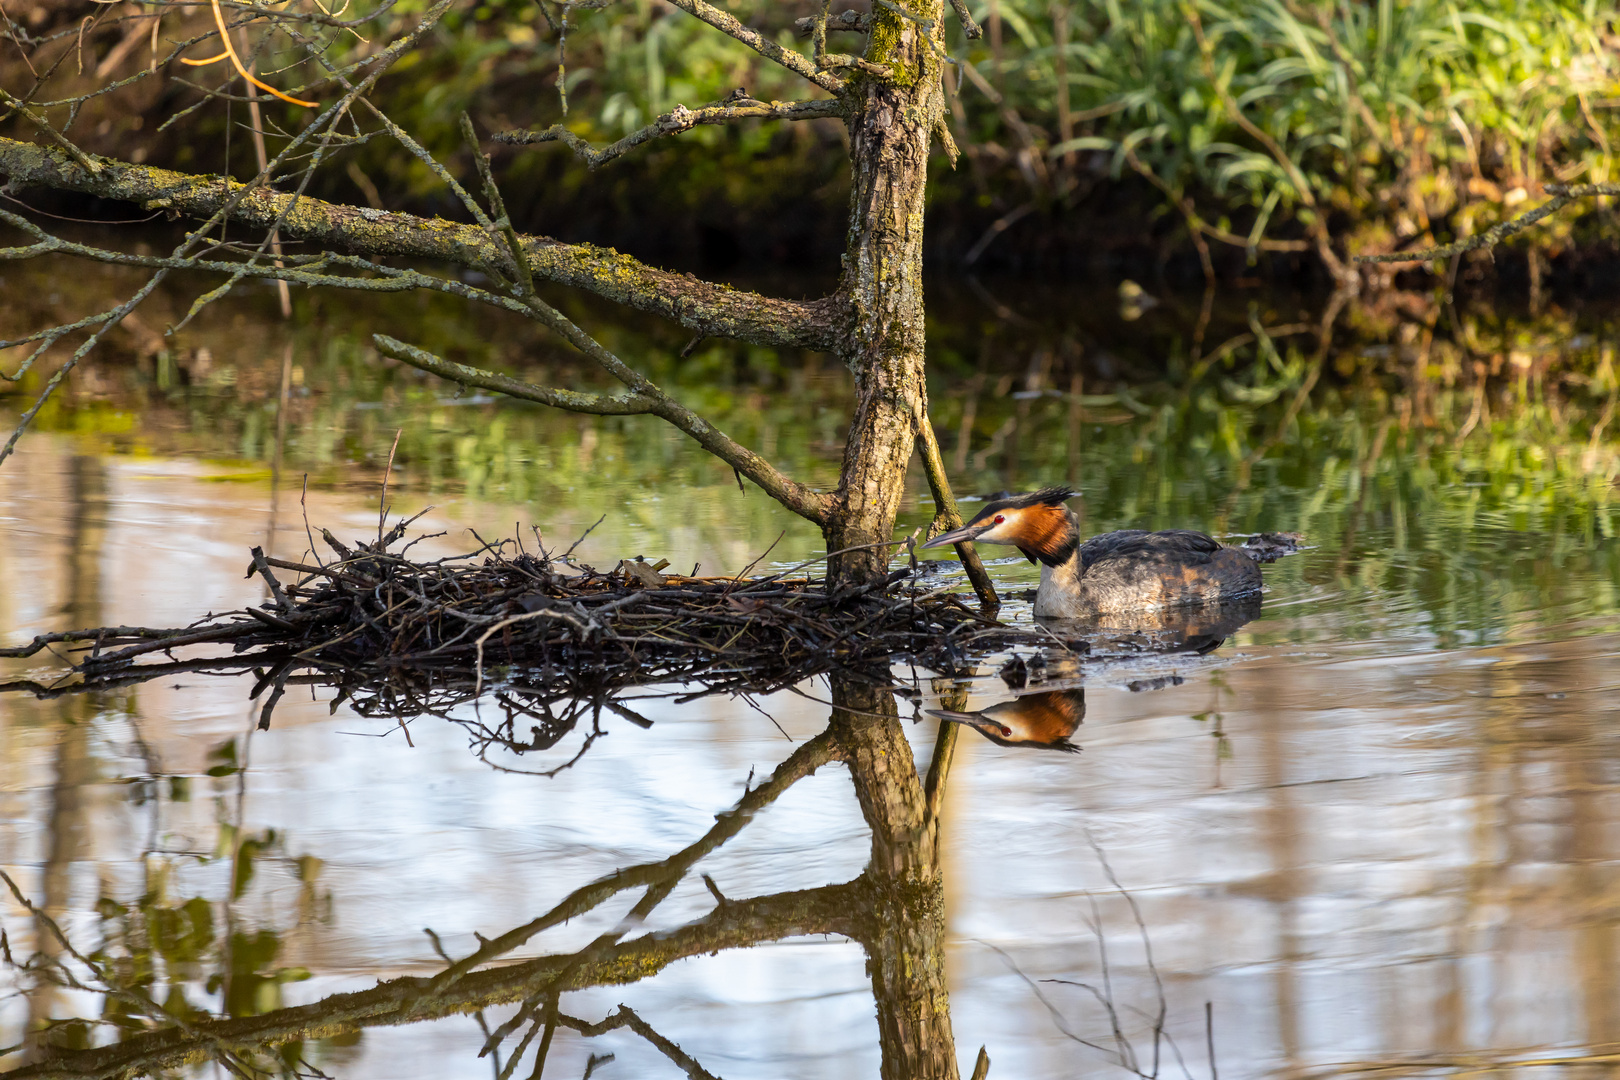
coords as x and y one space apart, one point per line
1268 547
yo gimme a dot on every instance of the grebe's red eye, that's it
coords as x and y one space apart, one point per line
999 519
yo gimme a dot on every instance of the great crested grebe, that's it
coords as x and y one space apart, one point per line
1123 571
1041 721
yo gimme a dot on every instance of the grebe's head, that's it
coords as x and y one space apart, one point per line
1037 523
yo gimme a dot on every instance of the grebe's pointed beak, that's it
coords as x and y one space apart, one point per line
970 719
958 536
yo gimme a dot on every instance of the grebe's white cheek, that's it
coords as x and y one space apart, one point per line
998 533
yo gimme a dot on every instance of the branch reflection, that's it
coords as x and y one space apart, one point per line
894 910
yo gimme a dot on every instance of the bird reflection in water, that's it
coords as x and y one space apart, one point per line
1046 719
1194 628
1040 721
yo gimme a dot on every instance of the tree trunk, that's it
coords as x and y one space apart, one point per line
889 132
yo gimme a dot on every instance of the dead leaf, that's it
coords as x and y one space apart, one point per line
641 572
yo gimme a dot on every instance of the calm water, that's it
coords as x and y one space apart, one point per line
1379 827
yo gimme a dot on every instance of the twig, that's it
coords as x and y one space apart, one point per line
624 1016
972 29
675 121
44 126
947 516
382 500
262 568
727 24
645 397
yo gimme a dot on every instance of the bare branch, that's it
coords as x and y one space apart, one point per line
858 21
51 133
715 310
1563 195
946 514
770 50
969 27
625 1017
677 120
572 400
645 397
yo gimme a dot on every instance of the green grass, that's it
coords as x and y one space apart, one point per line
1398 119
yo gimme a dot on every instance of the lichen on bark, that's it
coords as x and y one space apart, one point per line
883 339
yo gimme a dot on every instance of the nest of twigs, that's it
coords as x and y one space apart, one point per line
402 637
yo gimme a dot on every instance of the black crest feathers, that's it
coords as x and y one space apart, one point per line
1049 496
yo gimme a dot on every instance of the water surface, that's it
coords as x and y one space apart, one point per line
1380 826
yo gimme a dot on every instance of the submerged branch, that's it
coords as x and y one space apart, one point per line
1563 195
713 310
675 121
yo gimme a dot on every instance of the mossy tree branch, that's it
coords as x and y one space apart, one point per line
710 309
854 21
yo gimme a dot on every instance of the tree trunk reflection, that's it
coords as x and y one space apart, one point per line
906 919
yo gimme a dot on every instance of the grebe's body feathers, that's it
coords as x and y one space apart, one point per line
1128 570
1131 570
